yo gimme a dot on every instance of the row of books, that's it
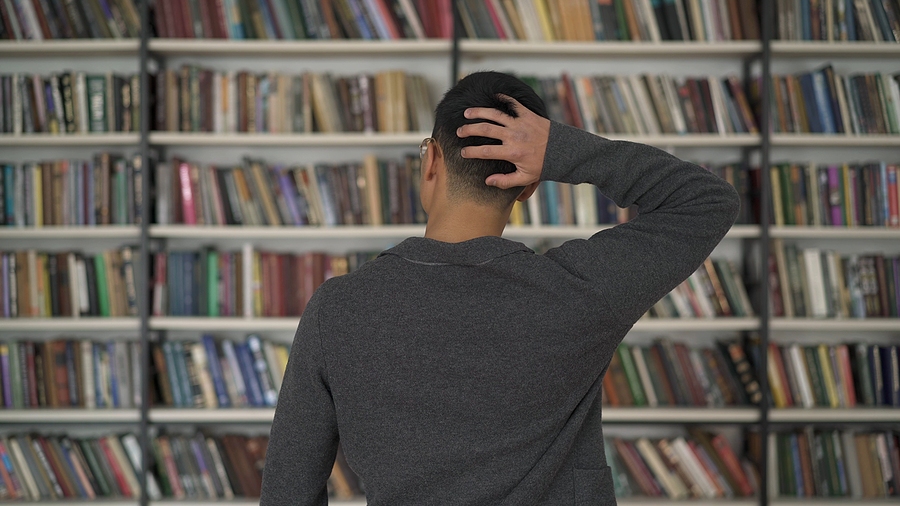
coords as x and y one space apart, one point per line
716 289
63 19
838 20
823 101
375 192
105 190
64 373
218 373
40 468
835 195
245 283
303 19
70 284
838 376
70 102
647 104
818 283
671 374
835 463
195 99
702 466
602 20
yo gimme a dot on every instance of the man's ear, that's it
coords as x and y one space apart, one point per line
527 191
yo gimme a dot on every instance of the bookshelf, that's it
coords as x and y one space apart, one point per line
468 54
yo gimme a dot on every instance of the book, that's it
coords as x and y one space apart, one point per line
838 20
49 20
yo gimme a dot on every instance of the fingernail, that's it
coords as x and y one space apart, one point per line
462 152
458 131
468 113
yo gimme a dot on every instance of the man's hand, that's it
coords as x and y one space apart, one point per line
524 142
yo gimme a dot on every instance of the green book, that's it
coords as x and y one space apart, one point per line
95 468
161 472
15 374
634 381
815 376
787 194
864 375
657 378
96 95
623 25
296 18
212 280
102 284
620 479
201 277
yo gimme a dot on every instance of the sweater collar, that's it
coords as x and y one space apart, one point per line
472 252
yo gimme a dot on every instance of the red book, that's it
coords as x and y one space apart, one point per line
159 16
705 463
609 390
118 474
187 21
893 197
187 194
731 462
425 9
42 20
389 22
56 466
220 24
14 487
698 396
638 469
843 358
571 103
445 15
495 20
206 19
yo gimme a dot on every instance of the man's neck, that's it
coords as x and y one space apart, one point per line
465 222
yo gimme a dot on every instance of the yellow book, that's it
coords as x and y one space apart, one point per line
281 352
517 217
775 384
38 195
849 199
828 375
544 17
47 306
775 181
257 285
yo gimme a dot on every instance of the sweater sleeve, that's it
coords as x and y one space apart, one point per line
304 436
684 211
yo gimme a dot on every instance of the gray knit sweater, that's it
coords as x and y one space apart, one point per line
470 373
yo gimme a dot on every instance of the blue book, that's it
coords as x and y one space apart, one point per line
597 21
113 373
823 103
174 376
885 201
365 31
215 370
170 282
98 392
798 469
89 174
552 199
188 264
251 382
328 204
881 20
234 368
830 86
9 193
851 20
890 370
65 449
268 20
839 459
267 387
805 21
809 101
178 353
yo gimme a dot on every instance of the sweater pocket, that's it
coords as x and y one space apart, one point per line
594 487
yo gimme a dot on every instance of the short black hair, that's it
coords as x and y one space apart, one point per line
480 89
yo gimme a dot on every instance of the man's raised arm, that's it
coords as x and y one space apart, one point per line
684 211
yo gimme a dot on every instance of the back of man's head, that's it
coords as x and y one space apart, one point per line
466 176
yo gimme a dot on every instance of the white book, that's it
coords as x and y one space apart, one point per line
272 360
227 492
709 21
530 20
198 354
37 83
644 375
231 114
413 18
804 386
230 385
81 103
694 467
218 109
585 205
84 300
585 95
650 21
631 104
772 472
133 449
501 16
89 391
123 373
31 20
892 90
73 284
673 104
30 486
240 387
645 105
854 476
670 481
816 282
720 113
127 471
534 209
681 303
695 281
136 394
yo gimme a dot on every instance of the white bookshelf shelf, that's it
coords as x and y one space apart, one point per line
224 415
202 324
51 140
506 48
348 139
835 49
74 415
82 502
382 232
866 415
695 324
307 48
680 415
856 233
85 48
69 324
691 140
73 232
835 140
832 324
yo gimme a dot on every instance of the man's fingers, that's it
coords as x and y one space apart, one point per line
488 113
505 181
486 152
483 130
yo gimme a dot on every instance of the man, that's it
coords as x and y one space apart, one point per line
463 368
